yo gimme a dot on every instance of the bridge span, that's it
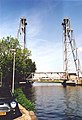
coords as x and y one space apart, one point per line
50 76
55 77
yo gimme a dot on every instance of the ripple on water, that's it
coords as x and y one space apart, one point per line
58 103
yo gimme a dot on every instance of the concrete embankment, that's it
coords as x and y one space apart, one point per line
26 115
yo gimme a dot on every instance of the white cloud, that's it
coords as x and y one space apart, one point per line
34 25
80 49
48 55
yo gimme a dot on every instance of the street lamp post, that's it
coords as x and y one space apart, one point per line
13 80
0 77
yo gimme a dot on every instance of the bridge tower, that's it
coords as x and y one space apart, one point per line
70 44
22 32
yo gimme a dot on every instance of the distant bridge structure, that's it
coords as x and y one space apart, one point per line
49 76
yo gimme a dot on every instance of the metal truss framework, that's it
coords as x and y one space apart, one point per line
46 76
22 30
70 41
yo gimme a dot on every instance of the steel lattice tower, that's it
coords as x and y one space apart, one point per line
69 41
22 31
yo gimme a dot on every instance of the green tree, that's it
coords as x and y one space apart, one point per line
23 64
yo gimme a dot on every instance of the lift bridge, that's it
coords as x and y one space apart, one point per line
71 58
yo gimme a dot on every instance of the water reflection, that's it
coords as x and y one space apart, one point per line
57 102
73 102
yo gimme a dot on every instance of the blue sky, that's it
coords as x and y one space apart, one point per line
44 30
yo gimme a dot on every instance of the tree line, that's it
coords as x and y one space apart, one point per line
23 64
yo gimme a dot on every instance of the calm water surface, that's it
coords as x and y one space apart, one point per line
56 102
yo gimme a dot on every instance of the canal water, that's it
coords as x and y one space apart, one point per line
55 102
